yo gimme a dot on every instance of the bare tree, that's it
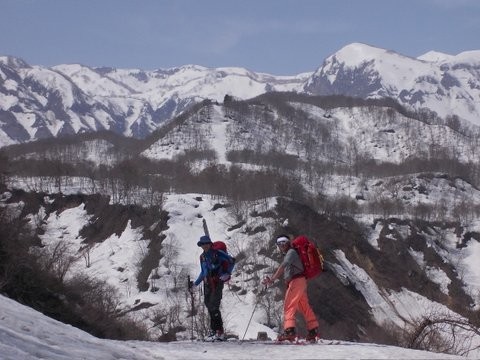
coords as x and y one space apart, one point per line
85 253
272 308
167 319
445 333
4 165
57 259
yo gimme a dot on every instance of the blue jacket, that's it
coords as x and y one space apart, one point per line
211 264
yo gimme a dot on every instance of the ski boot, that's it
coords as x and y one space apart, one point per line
212 335
312 335
217 335
289 335
220 336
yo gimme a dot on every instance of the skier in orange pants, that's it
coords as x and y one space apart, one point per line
296 297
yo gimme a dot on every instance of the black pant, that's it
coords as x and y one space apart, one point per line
213 289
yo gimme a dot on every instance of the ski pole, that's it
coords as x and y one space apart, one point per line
251 316
192 304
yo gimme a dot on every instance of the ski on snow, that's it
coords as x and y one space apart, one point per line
299 341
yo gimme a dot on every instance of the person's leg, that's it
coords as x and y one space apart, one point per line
305 308
310 318
292 297
207 299
213 306
290 307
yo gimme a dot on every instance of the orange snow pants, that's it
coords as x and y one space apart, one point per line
296 299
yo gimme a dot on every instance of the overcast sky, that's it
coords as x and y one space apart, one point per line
281 37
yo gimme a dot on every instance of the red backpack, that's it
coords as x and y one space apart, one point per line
310 256
219 245
227 265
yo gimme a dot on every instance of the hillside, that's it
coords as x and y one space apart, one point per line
145 255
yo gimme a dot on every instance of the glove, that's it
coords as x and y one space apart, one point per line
267 281
225 277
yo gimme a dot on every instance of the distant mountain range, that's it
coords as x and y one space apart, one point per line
38 102
448 85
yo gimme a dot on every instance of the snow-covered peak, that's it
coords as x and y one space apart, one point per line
188 81
472 57
361 70
91 81
448 85
13 62
435 56
358 53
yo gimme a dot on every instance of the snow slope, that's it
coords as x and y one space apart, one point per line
27 334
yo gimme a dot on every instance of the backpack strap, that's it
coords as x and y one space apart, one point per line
227 262
303 271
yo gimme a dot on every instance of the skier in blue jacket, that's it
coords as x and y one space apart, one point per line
216 268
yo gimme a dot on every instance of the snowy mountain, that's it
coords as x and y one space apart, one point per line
283 130
448 85
38 102
310 130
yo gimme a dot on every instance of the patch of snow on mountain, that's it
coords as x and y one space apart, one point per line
435 56
208 133
7 101
5 140
219 134
116 260
373 235
26 120
381 310
465 257
471 275
91 82
54 81
468 57
439 277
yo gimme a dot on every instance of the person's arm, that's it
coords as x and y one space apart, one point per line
277 275
203 273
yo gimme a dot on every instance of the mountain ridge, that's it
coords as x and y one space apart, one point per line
40 102
449 87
